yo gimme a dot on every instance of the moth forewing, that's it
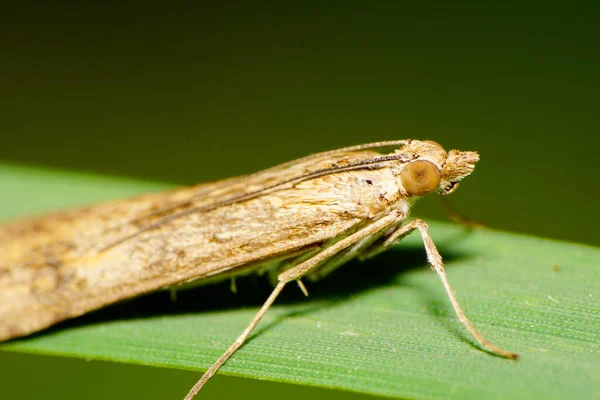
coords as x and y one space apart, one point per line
303 218
63 265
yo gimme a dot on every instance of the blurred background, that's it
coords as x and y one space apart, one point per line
189 93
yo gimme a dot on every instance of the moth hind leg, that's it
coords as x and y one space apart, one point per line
295 274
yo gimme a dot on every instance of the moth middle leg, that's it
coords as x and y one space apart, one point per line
295 274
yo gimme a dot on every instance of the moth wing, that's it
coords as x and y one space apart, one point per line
65 264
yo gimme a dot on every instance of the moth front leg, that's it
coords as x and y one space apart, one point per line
435 260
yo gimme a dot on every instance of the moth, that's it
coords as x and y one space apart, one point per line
299 220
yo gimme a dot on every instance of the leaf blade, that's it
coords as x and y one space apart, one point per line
382 327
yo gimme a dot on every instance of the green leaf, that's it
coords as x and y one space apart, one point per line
382 327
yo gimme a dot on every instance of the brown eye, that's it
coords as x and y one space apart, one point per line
420 178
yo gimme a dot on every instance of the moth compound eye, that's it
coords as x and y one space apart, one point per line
433 143
420 178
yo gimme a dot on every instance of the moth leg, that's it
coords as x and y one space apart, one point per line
381 225
237 344
294 274
344 256
435 260
173 294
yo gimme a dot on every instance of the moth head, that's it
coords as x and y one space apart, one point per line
429 168
458 165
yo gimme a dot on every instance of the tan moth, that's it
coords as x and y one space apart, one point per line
301 219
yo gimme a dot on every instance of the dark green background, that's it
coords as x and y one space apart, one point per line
191 93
